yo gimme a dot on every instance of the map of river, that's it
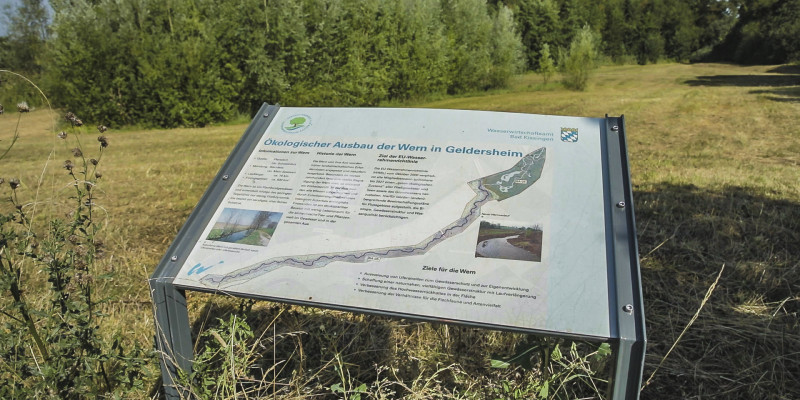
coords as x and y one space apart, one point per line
496 187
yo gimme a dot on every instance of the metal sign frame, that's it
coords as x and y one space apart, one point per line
626 311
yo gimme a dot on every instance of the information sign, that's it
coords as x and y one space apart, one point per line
501 220
488 217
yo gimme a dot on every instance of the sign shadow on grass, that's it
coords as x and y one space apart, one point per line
745 341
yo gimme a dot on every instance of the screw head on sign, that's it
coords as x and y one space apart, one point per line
266 115
621 204
225 177
174 258
627 308
615 128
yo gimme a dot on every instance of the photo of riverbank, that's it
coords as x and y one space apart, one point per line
251 227
509 242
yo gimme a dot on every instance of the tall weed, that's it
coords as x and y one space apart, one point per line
51 307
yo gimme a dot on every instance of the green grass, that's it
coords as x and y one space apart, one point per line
715 164
254 238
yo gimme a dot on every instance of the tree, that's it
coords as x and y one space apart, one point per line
506 49
546 65
260 221
766 32
537 23
27 32
581 59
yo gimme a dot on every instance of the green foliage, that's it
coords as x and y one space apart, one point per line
506 49
50 338
546 65
21 51
420 59
557 368
139 61
631 29
180 63
766 32
469 31
224 361
581 59
27 33
538 22
14 89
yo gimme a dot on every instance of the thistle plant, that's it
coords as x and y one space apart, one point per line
51 344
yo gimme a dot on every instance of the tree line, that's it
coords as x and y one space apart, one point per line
190 63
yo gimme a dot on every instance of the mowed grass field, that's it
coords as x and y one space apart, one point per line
715 164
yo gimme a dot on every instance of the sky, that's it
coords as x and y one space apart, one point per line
4 15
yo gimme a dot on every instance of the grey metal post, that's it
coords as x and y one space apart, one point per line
173 336
627 308
173 333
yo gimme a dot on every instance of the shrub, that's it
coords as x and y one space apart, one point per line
581 59
546 65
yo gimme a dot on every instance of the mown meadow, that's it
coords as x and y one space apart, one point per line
715 164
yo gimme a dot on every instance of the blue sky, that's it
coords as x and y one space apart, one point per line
4 18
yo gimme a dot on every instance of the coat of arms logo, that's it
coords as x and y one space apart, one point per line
569 135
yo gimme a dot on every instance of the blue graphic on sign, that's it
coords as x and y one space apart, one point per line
199 268
569 135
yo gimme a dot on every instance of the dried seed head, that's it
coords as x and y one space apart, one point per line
83 278
2 181
81 251
2 110
73 239
77 122
62 135
22 107
93 161
14 183
98 175
102 128
70 117
68 165
103 141
77 152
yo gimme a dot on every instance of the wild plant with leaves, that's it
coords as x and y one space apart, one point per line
51 307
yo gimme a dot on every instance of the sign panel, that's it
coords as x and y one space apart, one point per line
494 218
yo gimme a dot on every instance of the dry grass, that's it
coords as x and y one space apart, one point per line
715 158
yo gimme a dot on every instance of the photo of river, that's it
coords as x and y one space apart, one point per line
252 227
509 242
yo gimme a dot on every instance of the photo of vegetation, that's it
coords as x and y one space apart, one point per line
509 242
245 227
116 114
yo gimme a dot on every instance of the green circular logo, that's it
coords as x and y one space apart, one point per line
296 123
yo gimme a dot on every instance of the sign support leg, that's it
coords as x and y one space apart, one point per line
173 336
626 378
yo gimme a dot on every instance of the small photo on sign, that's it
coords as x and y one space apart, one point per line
253 227
509 241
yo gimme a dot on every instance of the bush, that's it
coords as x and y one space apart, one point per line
546 65
581 59
171 64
